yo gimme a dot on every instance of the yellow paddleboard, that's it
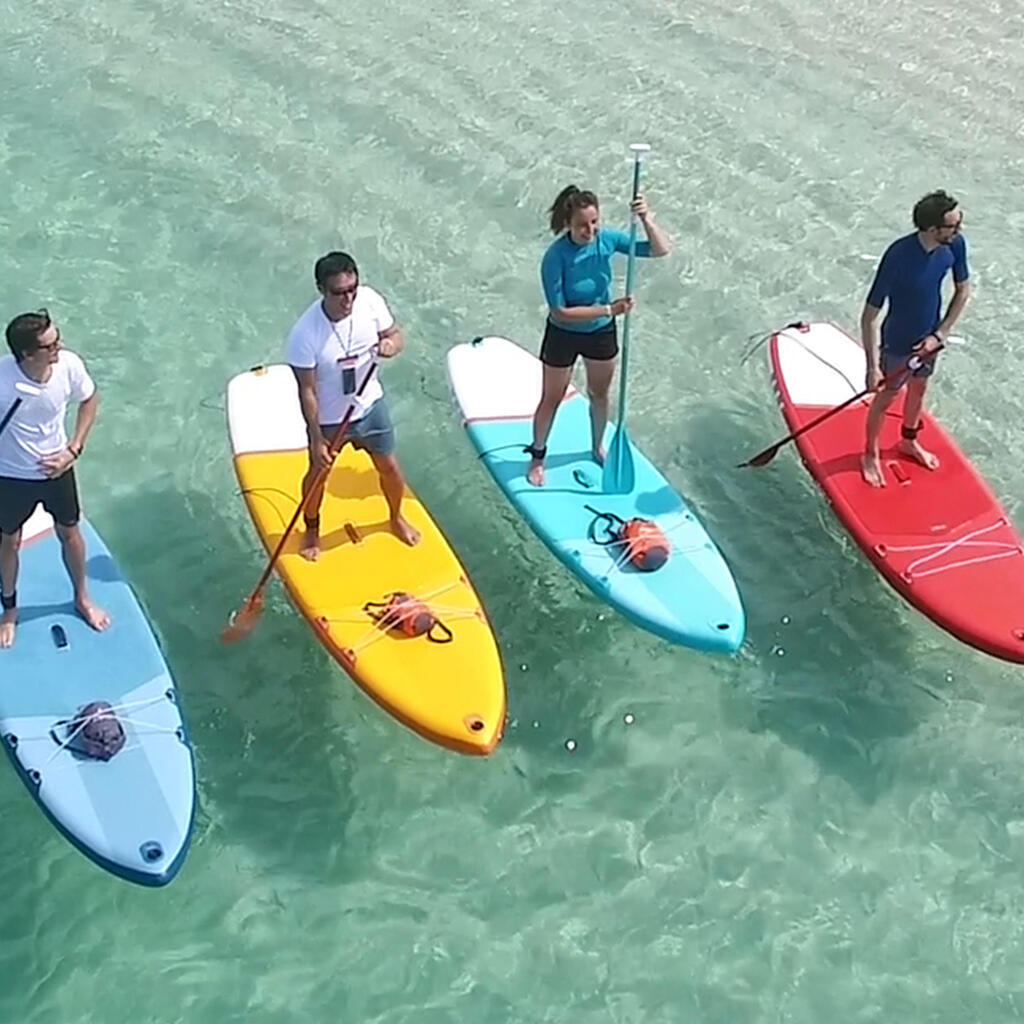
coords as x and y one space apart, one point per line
453 692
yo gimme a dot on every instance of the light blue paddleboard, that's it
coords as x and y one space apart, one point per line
132 814
692 599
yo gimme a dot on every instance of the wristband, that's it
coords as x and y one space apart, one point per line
75 454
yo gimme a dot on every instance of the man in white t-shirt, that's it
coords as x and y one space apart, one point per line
332 350
37 381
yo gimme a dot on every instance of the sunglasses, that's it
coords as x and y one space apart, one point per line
339 293
45 314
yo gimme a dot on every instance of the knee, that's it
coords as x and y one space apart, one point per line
10 541
387 467
67 534
597 392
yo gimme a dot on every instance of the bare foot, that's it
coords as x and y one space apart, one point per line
310 549
599 454
405 531
8 621
93 614
913 450
871 470
535 474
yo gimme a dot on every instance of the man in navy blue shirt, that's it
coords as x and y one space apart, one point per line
910 277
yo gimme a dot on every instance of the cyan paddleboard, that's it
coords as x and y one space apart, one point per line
132 814
692 599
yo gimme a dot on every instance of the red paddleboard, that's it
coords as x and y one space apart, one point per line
940 538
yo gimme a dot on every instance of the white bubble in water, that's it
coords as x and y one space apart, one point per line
785 620
627 718
536 724
780 651
522 668
949 677
570 745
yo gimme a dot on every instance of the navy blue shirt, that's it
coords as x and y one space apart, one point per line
911 279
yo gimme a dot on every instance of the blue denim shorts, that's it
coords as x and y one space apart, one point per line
893 362
372 432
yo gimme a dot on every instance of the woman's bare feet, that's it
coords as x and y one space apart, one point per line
8 622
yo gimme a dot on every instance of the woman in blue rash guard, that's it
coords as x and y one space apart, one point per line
576 273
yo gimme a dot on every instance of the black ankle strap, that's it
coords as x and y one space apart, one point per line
9 602
910 433
312 522
536 453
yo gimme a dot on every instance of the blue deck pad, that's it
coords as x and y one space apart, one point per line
691 600
132 814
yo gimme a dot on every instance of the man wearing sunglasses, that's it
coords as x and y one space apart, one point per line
37 382
331 349
910 277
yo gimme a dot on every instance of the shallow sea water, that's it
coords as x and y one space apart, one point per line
828 825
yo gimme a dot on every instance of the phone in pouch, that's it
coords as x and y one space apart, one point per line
348 376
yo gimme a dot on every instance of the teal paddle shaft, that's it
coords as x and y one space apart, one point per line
619 474
630 272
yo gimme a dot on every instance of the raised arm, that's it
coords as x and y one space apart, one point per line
659 242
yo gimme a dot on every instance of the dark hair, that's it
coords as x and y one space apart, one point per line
23 332
568 201
930 211
333 264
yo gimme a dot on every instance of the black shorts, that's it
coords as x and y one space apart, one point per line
18 500
561 347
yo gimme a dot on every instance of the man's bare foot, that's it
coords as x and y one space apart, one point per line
405 531
599 454
913 450
93 614
535 474
310 549
8 621
871 470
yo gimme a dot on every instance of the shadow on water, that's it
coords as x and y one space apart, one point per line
271 773
826 665
568 656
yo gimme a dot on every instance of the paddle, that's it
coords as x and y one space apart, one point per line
619 474
763 458
242 621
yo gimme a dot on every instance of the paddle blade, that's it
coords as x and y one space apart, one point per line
619 474
761 458
243 621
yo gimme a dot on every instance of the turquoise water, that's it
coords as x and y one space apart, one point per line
828 826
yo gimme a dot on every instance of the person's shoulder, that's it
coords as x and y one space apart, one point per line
611 238
309 322
369 296
557 246
904 247
70 361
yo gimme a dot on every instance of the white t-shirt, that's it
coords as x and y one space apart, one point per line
332 348
37 426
